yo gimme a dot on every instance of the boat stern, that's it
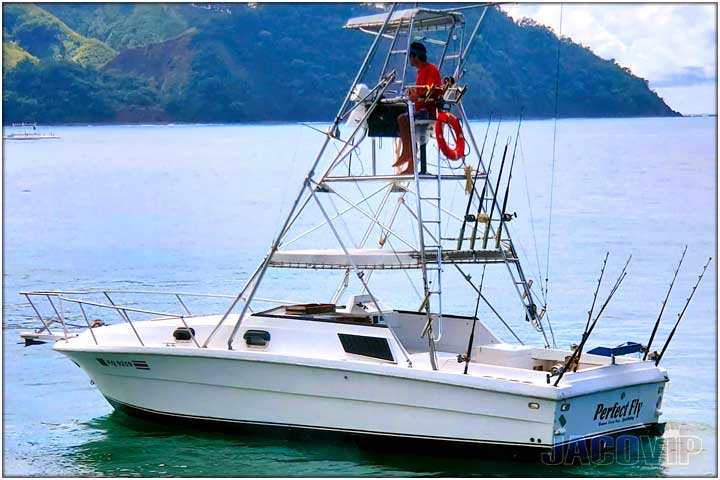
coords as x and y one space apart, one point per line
609 407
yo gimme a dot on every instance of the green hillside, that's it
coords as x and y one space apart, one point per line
13 54
46 37
122 25
270 62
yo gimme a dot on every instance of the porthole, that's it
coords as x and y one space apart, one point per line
183 334
256 338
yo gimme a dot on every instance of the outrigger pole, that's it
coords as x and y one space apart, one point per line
574 360
471 42
662 309
680 315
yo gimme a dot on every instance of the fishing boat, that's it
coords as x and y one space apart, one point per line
29 135
342 360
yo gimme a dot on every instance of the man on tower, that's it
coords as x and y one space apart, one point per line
428 76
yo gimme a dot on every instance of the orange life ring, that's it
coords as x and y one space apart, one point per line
450 119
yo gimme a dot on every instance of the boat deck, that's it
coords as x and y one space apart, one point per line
294 339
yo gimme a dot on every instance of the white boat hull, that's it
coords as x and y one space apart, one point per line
237 390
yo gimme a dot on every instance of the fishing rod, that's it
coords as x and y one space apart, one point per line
507 187
472 191
623 274
497 186
612 292
482 195
475 319
680 315
468 279
662 309
597 289
574 359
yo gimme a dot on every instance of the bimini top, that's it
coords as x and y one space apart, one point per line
424 19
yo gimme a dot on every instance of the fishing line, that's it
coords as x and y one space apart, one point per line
293 164
552 175
450 207
407 275
532 223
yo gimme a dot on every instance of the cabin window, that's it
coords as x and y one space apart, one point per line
375 347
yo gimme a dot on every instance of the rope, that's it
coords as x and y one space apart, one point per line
552 175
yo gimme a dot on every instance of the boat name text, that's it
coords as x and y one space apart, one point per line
138 364
629 409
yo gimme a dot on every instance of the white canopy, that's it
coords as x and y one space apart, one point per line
425 19
367 259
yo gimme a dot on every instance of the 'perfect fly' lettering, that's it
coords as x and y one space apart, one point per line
628 409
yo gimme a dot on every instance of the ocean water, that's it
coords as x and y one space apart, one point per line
194 208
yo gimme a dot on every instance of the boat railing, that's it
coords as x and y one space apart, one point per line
57 300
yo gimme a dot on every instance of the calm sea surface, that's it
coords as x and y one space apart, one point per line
194 208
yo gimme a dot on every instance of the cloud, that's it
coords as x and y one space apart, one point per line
691 100
667 44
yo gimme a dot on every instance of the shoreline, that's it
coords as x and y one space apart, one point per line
320 122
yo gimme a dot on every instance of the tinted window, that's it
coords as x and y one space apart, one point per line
375 347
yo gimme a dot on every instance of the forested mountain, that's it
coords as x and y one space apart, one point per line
123 62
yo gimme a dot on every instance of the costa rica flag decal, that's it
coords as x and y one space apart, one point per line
140 365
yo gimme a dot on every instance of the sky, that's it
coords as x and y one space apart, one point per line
674 46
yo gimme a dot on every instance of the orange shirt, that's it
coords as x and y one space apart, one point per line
428 74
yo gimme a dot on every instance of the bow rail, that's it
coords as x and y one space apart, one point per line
58 325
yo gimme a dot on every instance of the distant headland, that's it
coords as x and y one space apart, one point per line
180 62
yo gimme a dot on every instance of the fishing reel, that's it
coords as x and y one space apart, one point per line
481 217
